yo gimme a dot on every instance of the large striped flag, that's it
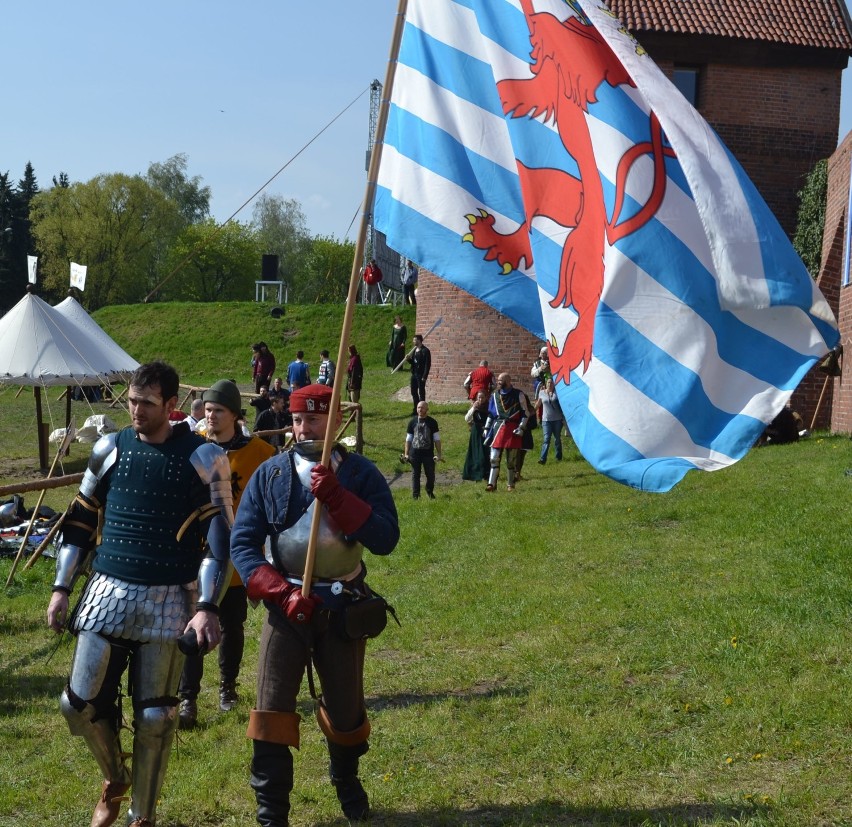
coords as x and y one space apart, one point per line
537 158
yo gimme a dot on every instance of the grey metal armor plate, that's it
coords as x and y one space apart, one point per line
335 556
134 611
103 457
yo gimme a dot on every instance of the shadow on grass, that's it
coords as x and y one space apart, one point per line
545 812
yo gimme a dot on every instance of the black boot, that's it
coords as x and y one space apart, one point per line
343 771
272 780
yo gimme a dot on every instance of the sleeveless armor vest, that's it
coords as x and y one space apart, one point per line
153 490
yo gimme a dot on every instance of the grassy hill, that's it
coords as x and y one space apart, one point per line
574 652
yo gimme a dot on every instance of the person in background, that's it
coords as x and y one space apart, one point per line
372 275
409 284
161 496
550 414
306 632
479 379
261 403
540 370
264 367
504 428
396 343
422 449
325 373
222 402
354 374
278 388
274 419
421 363
298 372
196 413
476 464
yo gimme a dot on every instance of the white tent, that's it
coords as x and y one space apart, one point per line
43 347
74 312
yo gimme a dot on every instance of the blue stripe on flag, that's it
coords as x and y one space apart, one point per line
441 251
609 453
670 385
442 154
465 76
669 261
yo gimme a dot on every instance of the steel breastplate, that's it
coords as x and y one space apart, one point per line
336 557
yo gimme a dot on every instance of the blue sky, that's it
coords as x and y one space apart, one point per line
240 88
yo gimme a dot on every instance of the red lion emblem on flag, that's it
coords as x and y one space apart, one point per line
570 61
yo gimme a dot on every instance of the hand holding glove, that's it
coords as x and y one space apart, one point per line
267 583
348 510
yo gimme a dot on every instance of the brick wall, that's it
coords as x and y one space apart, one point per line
839 390
470 331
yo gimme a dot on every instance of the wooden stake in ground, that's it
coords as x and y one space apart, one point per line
66 441
354 280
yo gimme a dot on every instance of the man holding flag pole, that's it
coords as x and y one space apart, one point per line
320 507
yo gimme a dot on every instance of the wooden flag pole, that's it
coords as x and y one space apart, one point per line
354 281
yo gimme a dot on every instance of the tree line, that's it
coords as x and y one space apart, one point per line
137 233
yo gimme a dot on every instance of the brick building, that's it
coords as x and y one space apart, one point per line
838 392
766 75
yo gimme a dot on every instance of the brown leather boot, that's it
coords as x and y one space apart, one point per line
106 811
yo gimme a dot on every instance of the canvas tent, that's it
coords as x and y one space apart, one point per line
42 347
74 312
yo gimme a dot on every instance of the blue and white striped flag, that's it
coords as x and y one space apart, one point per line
601 212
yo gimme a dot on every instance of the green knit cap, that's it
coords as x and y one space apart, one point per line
225 393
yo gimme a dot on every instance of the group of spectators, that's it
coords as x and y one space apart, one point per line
501 418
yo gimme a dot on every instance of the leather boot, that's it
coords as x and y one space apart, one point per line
272 780
107 809
343 771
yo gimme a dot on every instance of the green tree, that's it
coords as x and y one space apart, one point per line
192 199
16 241
811 218
325 273
115 225
282 229
212 263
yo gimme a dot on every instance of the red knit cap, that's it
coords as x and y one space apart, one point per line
311 399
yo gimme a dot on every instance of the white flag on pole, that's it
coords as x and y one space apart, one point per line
32 264
78 276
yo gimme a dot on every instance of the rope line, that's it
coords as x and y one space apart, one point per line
202 244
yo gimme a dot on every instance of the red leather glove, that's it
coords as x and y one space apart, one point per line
267 583
348 510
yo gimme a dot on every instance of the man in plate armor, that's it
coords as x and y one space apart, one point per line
165 496
504 429
303 633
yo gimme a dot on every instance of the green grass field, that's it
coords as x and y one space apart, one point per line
572 653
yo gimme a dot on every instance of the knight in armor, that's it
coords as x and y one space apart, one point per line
303 633
508 414
163 498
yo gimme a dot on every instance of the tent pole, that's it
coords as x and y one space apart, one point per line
42 437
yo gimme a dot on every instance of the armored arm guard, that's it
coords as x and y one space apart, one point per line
212 466
103 457
214 575
71 557
69 564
